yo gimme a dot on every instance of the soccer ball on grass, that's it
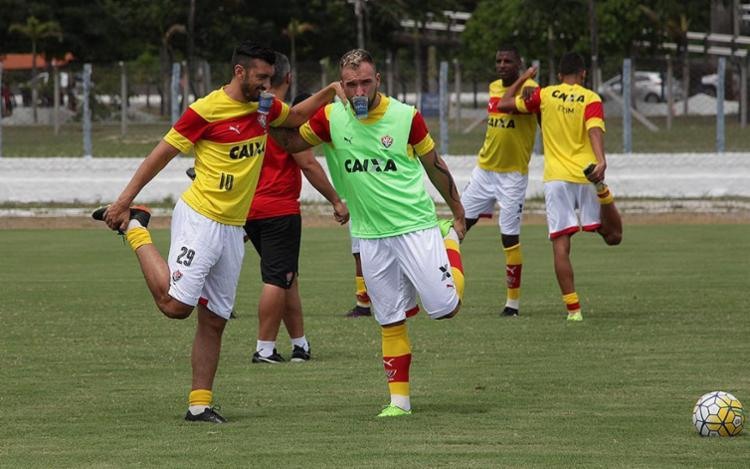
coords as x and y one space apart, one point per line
718 413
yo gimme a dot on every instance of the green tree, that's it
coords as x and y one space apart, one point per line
36 31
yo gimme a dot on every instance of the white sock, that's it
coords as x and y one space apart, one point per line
401 401
512 303
133 223
265 347
197 409
301 342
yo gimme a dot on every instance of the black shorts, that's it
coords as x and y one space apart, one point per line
277 240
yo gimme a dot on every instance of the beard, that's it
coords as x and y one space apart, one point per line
247 92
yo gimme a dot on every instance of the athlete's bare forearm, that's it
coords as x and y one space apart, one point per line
508 101
289 139
303 111
442 179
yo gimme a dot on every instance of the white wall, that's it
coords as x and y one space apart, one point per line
95 180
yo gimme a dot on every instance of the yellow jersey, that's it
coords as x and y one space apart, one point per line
568 112
509 139
229 142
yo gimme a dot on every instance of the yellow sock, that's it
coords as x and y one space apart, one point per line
605 195
200 397
454 258
397 358
571 303
513 266
137 237
363 299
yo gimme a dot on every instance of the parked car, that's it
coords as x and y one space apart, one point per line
647 86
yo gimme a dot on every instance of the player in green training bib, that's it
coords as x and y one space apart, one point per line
378 150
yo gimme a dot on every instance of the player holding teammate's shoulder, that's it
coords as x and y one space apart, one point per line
227 132
502 172
574 165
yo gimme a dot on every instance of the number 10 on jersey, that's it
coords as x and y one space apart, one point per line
226 182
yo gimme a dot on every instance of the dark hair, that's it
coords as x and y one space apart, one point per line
571 63
281 70
300 97
509 48
249 50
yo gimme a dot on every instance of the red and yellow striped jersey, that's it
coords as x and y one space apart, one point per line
229 144
568 112
510 137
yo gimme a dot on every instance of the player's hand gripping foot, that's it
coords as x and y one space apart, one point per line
208 415
137 212
595 174
393 411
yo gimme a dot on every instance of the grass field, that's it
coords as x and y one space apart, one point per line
93 376
692 134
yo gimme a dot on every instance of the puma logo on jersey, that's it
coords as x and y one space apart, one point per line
445 270
371 165
235 128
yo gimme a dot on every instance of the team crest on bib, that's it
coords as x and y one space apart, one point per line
386 140
176 275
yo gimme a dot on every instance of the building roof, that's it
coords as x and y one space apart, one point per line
23 61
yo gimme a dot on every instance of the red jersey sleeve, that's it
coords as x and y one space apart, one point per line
320 125
533 102
191 125
594 110
418 129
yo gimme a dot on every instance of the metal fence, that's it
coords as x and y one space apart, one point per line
699 104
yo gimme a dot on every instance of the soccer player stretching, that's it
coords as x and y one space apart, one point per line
376 160
227 130
573 136
502 172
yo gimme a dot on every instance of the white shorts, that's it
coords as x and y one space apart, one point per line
205 259
487 187
398 268
355 244
562 199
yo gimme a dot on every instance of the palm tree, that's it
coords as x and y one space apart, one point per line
294 29
36 30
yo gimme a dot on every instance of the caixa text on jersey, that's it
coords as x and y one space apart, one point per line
247 150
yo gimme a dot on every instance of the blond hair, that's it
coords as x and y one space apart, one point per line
354 58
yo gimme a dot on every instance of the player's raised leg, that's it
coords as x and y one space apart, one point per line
453 251
155 269
362 306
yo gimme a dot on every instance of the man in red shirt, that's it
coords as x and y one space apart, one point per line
274 227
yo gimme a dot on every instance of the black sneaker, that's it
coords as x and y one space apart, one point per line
274 358
208 415
299 354
358 311
137 212
190 173
509 312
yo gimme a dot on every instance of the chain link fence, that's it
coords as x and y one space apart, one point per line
132 104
